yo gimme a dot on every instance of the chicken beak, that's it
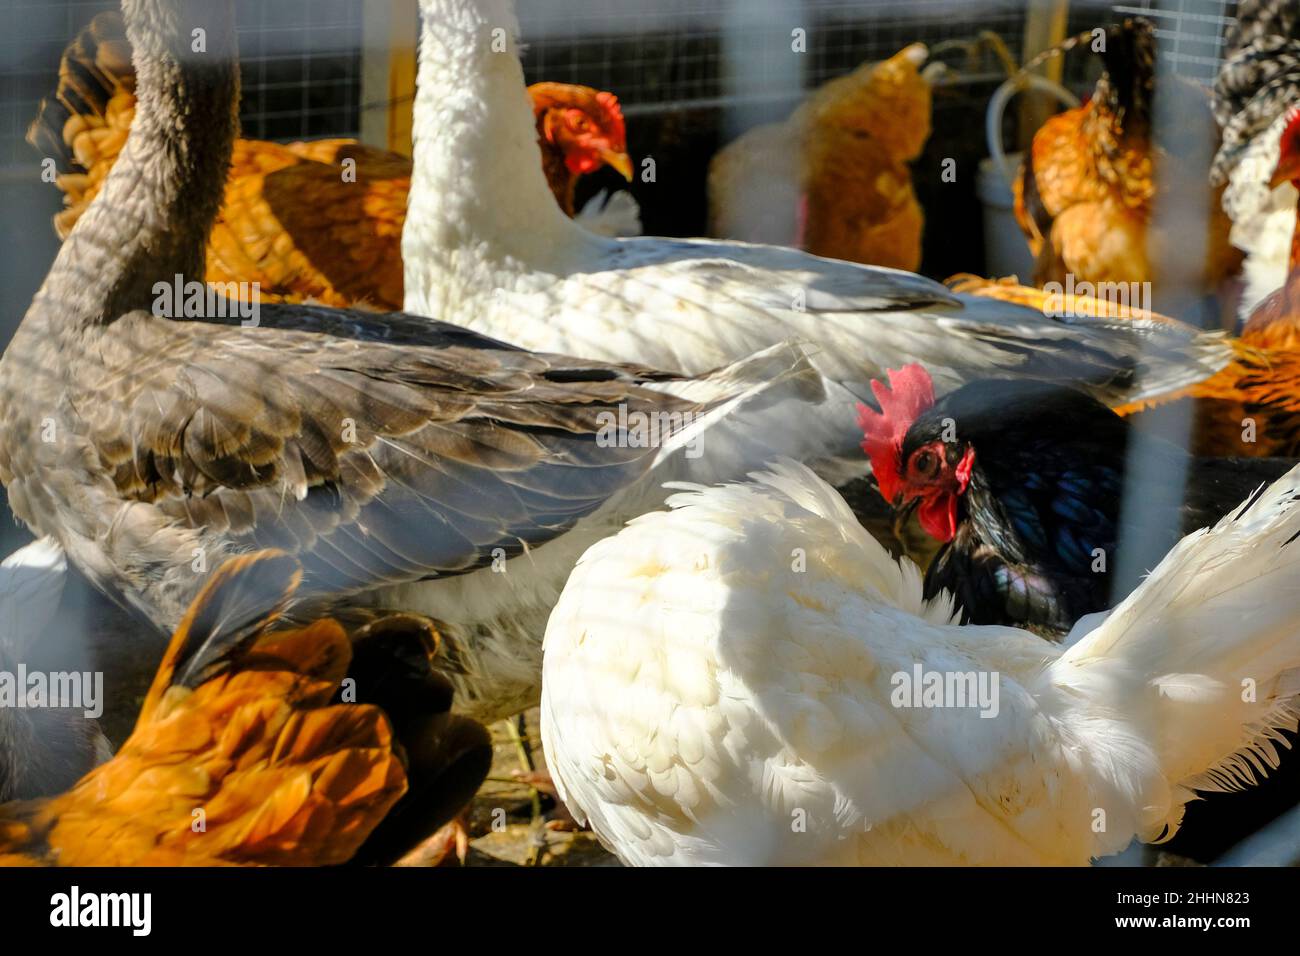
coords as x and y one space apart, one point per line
621 162
1288 171
906 507
903 511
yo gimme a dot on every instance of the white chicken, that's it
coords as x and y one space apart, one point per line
485 246
751 679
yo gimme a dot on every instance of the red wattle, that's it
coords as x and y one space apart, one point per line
938 516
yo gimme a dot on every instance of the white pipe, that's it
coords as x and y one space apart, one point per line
998 106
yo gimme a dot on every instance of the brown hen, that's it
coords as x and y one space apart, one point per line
241 756
1086 194
296 219
833 179
1260 386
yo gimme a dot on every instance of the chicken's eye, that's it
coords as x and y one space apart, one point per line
925 463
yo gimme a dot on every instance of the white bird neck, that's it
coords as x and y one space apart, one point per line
480 213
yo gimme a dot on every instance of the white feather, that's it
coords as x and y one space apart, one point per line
718 680
1263 220
496 619
611 214
31 586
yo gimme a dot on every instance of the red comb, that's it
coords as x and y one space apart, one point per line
613 118
910 392
1291 132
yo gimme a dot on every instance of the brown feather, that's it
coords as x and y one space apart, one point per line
289 222
282 775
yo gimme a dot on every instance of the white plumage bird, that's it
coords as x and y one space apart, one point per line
1255 93
727 683
486 246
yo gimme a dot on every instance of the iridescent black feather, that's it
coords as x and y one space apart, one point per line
1038 537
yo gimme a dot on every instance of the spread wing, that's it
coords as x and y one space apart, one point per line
370 459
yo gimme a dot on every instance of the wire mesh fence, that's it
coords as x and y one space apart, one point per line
301 64
1190 32
301 68
691 74
672 56
302 58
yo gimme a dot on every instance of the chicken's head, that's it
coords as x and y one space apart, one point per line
888 102
1288 160
917 458
586 125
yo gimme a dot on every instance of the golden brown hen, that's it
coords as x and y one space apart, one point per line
833 178
299 219
1086 194
242 756
1252 406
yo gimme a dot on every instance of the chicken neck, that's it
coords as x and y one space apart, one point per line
480 214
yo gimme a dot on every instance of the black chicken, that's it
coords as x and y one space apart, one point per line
1023 482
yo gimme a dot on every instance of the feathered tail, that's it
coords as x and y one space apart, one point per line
1201 660
84 125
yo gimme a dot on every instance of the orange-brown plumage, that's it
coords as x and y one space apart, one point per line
834 179
238 757
1275 323
579 130
292 221
1086 196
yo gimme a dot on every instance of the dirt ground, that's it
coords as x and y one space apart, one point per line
503 828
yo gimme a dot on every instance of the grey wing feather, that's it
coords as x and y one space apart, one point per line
371 464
